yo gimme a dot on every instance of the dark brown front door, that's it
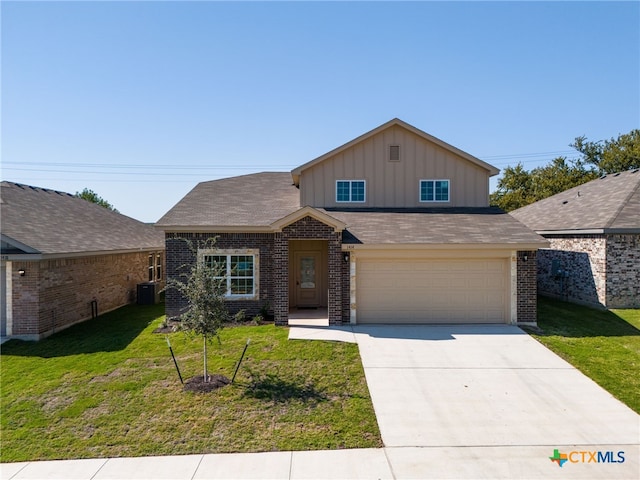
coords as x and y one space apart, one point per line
307 272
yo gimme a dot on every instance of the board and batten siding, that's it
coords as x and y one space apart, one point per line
395 184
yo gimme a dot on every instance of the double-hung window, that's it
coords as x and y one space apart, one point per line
434 190
235 270
350 191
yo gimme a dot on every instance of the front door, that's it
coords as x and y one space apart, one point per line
307 272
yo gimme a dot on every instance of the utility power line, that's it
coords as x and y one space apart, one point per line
153 173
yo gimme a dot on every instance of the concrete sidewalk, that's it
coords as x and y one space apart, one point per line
452 402
385 463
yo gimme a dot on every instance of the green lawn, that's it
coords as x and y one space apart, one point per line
108 388
604 345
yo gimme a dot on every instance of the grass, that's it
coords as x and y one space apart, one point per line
108 388
603 344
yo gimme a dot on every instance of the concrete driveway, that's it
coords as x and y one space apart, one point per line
488 392
488 401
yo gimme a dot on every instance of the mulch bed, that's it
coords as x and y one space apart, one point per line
168 328
198 385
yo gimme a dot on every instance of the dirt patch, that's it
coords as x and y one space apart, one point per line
198 385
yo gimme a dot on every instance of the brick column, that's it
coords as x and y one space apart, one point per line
335 279
281 279
527 287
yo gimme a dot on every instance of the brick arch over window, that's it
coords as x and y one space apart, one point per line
307 228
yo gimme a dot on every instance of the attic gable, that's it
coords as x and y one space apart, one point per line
394 166
396 122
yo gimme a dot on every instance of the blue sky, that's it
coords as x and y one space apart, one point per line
140 101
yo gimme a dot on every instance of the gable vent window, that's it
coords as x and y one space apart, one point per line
394 153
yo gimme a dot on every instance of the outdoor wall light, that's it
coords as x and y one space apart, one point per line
21 272
346 257
525 258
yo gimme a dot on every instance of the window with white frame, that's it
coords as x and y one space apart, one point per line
434 190
236 269
350 191
155 267
150 270
158 267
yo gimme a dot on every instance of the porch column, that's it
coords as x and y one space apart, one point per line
281 279
335 279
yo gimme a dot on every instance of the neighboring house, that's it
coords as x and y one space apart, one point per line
393 226
594 236
65 260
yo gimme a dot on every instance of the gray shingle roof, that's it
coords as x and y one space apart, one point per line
254 200
260 199
52 222
475 226
608 203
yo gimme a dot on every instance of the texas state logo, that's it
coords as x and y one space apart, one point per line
559 458
587 457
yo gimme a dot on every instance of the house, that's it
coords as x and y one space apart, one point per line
65 260
594 236
393 226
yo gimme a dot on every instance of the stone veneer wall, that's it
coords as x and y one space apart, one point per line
623 271
55 294
179 255
527 308
307 228
583 263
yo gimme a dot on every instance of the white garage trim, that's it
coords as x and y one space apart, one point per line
432 286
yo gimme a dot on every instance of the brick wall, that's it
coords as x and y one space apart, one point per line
623 271
307 228
54 294
274 266
583 266
527 287
180 257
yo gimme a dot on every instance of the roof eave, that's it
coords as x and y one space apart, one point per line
445 246
58 255
19 245
589 231
215 228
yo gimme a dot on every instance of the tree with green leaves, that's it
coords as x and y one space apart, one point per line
611 156
518 187
91 196
203 285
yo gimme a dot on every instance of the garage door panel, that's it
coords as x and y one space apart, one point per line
431 291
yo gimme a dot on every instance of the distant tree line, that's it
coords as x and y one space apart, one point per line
519 187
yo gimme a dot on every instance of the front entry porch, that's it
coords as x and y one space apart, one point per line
308 269
309 317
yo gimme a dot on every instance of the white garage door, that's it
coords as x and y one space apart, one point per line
432 291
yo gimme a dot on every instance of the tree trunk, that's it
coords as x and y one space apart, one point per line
206 377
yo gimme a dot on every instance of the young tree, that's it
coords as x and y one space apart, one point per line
203 284
93 197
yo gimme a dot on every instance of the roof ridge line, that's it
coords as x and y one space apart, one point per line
623 204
